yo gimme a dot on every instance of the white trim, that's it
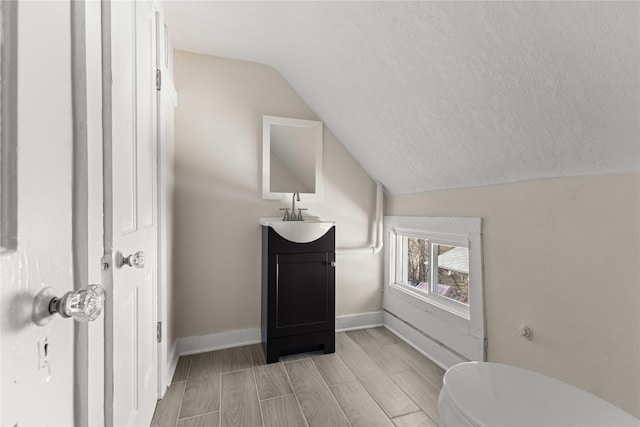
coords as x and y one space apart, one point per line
172 364
165 102
463 335
201 344
433 350
461 239
167 85
434 299
222 340
396 238
352 322
267 121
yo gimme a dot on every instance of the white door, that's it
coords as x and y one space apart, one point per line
134 158
166 102
36 216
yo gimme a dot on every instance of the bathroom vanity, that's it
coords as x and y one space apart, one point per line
298 287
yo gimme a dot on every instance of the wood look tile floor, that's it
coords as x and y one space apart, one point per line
373 379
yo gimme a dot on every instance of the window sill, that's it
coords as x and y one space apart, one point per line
434 300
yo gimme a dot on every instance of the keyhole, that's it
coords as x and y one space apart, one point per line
46 350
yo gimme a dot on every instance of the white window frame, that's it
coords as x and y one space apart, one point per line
458 308
459 327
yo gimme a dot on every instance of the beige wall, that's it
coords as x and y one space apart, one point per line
218 196
563 257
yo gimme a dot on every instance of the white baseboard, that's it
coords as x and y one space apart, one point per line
352 322
172 361
222 340
431 349
204 343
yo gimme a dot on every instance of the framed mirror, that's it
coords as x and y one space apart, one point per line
291 158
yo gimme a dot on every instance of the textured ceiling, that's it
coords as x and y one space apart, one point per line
438 95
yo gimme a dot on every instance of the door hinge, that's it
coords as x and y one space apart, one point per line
159 332
158 79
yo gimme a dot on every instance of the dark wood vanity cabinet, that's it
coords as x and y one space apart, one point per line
298 295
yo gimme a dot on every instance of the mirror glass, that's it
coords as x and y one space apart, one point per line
291 158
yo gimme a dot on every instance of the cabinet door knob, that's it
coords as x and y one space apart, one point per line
333 263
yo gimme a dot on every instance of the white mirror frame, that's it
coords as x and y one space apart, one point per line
267 121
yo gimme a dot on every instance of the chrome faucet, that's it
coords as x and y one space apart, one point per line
293 216
293 203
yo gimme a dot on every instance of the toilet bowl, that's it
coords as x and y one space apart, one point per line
486 394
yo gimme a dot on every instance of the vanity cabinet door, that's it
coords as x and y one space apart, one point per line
303 294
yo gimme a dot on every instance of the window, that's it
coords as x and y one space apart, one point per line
433 273
434 266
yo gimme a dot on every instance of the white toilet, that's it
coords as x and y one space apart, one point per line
485 394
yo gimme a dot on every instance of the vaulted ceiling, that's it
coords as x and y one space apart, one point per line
439 95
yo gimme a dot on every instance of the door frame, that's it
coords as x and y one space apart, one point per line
164 176
80 202
87 209
166 100
91 179
107 188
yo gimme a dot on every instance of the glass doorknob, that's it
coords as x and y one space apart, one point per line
134 260
84 305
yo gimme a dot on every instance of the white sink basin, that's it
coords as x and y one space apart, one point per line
299 231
